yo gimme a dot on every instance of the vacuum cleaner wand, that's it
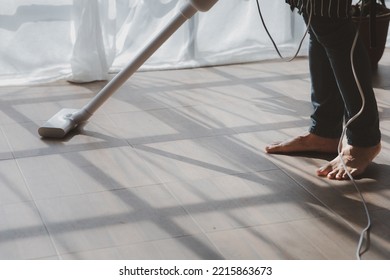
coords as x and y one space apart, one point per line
67 119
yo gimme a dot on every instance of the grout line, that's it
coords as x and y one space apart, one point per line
53 243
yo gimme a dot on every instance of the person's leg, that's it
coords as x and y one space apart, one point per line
336 37
363 134
328 108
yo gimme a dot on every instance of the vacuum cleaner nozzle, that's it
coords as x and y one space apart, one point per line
59 125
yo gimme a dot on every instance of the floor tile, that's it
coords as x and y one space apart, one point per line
23 234
277 241
13 188
85 172
199 158
196 247
245 200
26 142
309 239
115 218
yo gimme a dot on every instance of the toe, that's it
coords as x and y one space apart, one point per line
324 170
345 176
273 148
332 175
279 148
340 174
354 172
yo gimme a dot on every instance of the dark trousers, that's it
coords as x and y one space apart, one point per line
334 93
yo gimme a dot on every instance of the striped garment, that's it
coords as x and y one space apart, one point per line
325 8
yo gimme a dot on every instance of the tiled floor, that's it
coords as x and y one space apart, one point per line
172 167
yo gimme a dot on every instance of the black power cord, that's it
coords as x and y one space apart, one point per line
272 40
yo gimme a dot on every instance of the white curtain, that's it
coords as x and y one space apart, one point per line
83 40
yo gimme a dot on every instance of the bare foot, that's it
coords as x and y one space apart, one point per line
356 160
305 143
